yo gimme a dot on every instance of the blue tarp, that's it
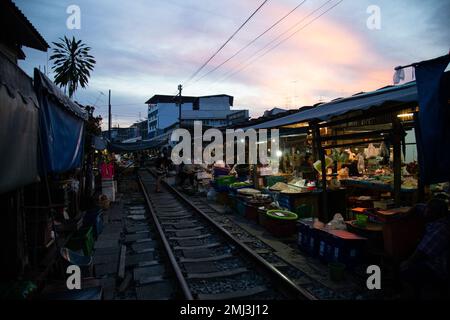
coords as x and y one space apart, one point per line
433 134
61 127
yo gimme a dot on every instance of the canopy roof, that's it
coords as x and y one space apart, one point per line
15 27
134 146
362 101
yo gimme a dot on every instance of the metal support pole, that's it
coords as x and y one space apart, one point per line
179 102
397 138
321 155
420 186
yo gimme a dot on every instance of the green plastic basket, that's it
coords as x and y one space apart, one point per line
82 240
361 220
281 215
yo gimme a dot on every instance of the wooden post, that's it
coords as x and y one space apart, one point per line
397 137
321 155
109 116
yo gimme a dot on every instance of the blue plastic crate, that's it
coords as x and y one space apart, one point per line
218 188
304 233
332 248
348 252
325 248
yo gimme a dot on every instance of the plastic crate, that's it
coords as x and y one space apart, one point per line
221 171
310 242
304 233
225 181
339 246
218 188
94 218
82 240
325 248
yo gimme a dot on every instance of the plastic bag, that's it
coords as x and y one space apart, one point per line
337 223
371 151
318 164
361 164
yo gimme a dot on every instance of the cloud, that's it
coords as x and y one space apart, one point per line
146 47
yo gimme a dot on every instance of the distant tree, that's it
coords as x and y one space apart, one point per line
72 64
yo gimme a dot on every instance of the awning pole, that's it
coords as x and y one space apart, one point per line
397 160
321 155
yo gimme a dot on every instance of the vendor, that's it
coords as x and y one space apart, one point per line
186 172
307 161
430 261
307 167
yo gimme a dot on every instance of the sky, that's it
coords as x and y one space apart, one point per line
148 47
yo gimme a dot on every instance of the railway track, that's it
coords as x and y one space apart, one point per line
207 260
143 255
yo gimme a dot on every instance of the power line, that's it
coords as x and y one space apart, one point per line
232 73
225 43
253 58
253 41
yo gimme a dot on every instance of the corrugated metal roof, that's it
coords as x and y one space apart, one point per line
361 101
15 27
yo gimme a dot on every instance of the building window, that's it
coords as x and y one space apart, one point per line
196 105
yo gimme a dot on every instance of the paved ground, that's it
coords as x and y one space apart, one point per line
126 257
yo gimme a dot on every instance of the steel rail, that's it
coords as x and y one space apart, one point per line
287 284
173 261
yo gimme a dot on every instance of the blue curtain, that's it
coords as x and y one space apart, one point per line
433 134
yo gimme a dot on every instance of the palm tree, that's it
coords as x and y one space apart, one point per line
72 64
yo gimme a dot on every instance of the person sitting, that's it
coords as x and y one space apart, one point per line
429 264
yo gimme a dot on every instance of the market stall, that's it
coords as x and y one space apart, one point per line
367 166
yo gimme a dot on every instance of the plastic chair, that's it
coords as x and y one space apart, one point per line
304 211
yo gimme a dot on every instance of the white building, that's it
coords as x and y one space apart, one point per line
214 111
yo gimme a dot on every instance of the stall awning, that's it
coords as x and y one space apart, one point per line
18 128
135 146
364 101
61 126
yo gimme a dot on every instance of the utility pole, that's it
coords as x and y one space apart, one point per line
180 88
109 115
